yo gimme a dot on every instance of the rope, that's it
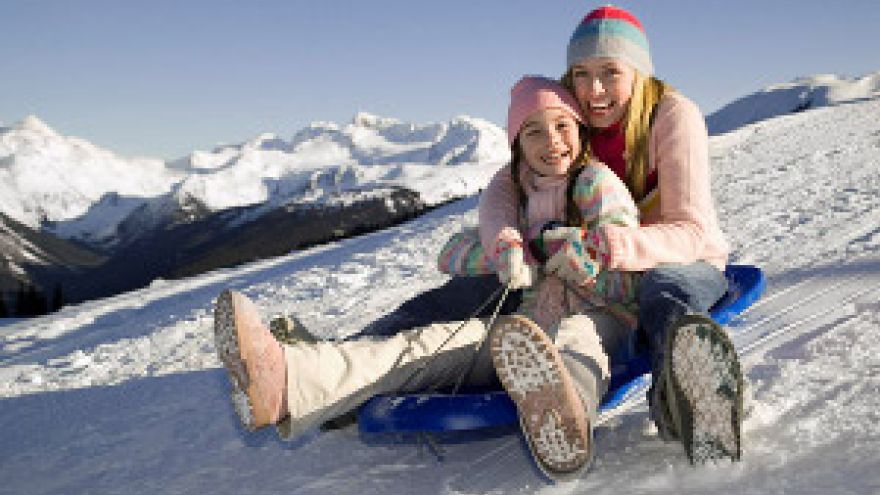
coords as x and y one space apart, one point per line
436 352
481 343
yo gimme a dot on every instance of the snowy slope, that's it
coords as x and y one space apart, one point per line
795 96
125 395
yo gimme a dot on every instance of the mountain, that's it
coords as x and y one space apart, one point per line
438 161
795 96
30 258
236 203
48 177
126 394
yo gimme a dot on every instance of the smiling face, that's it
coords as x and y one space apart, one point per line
603 87
550 141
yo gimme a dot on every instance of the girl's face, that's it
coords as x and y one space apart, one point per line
603 86
550 141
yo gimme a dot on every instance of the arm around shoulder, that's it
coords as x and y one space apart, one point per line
684 227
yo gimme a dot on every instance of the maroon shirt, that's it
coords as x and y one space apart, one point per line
608 146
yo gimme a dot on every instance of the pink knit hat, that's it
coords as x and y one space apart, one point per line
533 93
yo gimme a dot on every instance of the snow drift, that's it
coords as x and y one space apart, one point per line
795 96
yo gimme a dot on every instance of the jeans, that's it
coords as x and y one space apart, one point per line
456 300
670 291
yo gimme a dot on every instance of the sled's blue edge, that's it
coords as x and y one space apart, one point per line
444 412
746 284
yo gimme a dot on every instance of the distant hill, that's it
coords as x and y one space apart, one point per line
796 96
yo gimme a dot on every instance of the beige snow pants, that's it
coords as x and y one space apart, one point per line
330 378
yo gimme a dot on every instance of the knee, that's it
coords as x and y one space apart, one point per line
659 287
578 337
577 332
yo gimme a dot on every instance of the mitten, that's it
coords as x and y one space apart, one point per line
574 255
512 268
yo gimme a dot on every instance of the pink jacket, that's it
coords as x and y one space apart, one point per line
602 199
683 229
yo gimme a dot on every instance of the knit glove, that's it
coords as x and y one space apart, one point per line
512 268
575 255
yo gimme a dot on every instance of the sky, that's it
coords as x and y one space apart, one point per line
162 78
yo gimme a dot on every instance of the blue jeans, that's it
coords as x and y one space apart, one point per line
670 291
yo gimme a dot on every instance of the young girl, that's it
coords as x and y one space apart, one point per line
655 140
556 386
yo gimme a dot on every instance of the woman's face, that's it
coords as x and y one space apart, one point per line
603 86
550 141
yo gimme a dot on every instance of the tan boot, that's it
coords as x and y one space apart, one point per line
254 360
551 413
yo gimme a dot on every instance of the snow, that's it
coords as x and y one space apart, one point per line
45 176
125 394
798 95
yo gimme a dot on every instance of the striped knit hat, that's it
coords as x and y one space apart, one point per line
611 32
533 93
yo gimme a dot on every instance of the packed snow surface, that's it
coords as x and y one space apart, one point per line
125 394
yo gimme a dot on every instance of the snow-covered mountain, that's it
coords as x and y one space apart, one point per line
125 394
45 176
80 191
795 96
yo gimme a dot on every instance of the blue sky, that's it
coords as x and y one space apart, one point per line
164 77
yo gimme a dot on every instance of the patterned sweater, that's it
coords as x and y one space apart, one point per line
601 198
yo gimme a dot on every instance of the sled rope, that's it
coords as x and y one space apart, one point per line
482 341
452 335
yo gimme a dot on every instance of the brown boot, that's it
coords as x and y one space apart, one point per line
551 413
254 360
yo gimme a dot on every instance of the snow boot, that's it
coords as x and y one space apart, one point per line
704 389
658 406
551 414
287 329
253 359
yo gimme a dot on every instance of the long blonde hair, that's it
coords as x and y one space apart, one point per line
646 94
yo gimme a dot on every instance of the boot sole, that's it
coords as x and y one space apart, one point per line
226 343
552 418
707 390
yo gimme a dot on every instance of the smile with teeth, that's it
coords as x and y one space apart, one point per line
600 107
556 157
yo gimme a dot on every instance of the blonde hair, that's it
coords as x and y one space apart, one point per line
646 94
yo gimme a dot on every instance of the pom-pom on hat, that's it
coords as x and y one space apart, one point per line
533 93
611 32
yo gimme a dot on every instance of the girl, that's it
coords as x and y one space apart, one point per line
556 386
656 141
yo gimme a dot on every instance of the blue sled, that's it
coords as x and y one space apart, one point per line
436 412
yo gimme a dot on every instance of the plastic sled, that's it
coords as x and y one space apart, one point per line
438 412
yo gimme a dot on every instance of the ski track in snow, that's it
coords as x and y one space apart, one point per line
125 395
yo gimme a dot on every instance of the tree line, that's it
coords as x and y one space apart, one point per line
30 301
